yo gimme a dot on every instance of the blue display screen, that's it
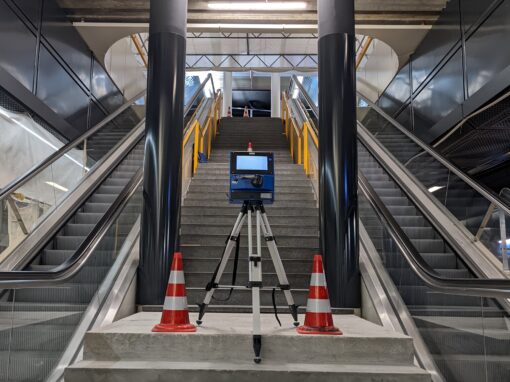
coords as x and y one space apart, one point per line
251 162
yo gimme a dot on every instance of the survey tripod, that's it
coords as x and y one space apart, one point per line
255 268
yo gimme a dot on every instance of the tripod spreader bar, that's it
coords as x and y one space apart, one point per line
241 287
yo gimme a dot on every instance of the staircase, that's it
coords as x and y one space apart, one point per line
36 324
207 217
221 351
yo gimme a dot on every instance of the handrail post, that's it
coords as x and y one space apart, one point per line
502 230
84 157
196 128
305 148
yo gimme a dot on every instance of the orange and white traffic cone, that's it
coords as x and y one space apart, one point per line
246 113
175 317
318 318
250 147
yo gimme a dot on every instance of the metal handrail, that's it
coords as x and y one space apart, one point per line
40 167
493 288
488 215
195 95
481 190
68 269
309 101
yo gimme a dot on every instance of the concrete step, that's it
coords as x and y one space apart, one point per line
310 241
243 297
221 350
193 251
209 264
298 188
205 203
95 371
228 221
200 279
233 210
278 230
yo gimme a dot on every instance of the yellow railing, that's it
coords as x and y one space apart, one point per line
303 142
293 132
201 136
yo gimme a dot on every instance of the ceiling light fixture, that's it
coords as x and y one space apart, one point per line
435 188
257 5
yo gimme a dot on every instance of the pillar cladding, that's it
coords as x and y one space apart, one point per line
163 148
276 94
338 152
227 93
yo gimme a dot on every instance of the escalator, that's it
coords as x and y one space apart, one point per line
456 227
66 275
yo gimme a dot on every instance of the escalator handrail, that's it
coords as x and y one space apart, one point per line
492 288
195 95
493 198
309 101
65 271
40 167
467 179
69 268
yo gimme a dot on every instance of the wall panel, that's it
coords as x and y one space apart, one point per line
441 96
487 49
17 47
437 43
31 9
60 92
63 69
66 41
397 93
458 67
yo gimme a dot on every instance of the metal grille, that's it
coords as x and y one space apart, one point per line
483 142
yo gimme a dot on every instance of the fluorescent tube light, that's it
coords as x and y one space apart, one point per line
257 5
435 188
57 186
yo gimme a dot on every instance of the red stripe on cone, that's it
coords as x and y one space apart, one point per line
318 292
317 264
175 320
177 262
178 290
318 318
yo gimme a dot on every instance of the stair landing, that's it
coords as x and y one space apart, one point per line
221 350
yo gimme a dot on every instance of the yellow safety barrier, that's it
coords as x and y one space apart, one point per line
299 137
203 135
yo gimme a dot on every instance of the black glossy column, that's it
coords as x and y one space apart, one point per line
163 148
337 152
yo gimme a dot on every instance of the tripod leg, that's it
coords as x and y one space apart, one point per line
211 286
278 266
255 285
